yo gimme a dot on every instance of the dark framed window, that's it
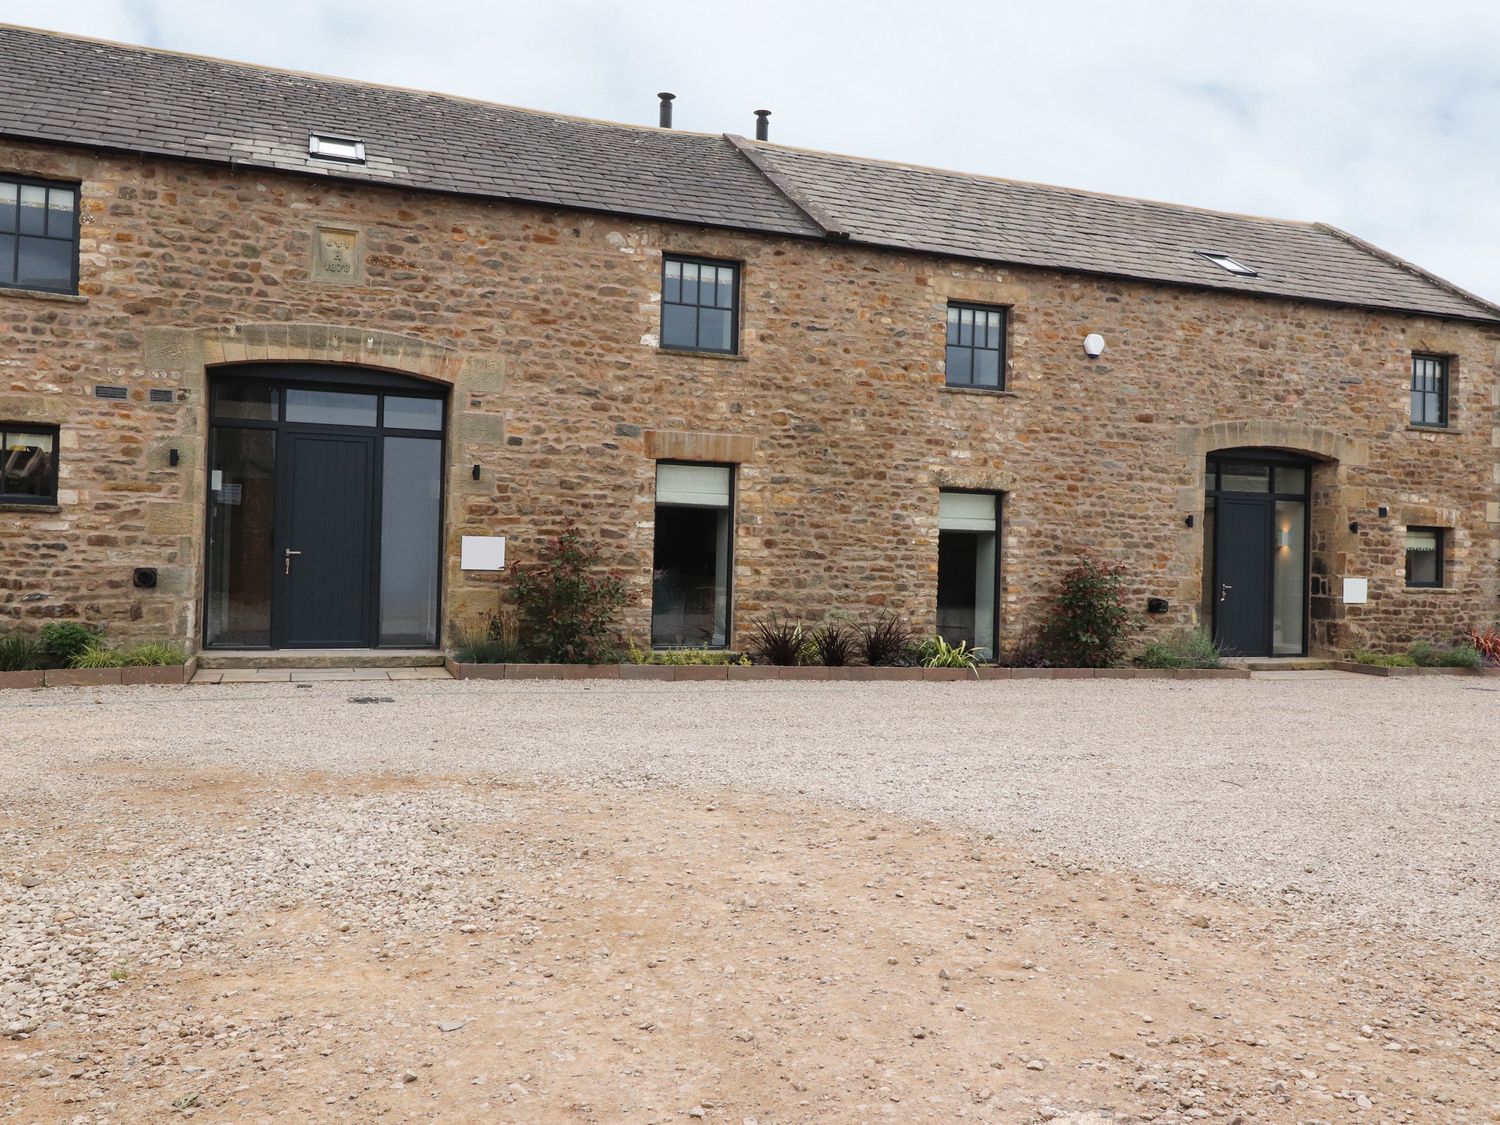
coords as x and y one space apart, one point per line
700 304
38 235
28 464
976 346
692 564
1429 390
1424 556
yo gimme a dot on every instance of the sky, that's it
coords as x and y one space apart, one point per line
1377 117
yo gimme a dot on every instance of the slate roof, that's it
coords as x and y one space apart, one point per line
77 91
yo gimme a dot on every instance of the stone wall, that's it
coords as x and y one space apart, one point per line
836 413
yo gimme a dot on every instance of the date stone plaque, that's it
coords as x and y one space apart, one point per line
336 256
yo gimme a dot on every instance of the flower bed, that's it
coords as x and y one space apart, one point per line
685 673
167 674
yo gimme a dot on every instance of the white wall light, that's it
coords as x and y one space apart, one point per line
1093 345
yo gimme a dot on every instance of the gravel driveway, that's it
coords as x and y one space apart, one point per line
1374 801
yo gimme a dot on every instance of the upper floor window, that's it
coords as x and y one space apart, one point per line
976 346
38 235
700 303
28 464
1424 556
1429 390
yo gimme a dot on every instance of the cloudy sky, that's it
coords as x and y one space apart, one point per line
1375 116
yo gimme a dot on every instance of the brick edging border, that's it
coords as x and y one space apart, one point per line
171 675
1382 670
721 672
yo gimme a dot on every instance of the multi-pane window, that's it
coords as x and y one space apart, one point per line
1429 390
1424 556
28 464
38 235
976 346
699 305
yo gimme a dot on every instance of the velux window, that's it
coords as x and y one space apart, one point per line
699 305
1429 390
1424 556
28 464
38 235
976 347
967 568
690 570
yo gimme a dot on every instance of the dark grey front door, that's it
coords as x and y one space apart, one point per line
1242 577
325 560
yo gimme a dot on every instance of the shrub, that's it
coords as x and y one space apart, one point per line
1088 620
20 652
832 645
685 657
98 655
938 653
885 640
1193 648
155 655
567 609
1385 659
63 641
1451 656
492 642
1487 641
1028 652
774 641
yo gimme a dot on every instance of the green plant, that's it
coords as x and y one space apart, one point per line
938 653
1385 659
119 973
154 655
1088 621
1487 641
98 655
885 640
1030 651
493 641
832 645
1446 656
567 608
774 641
63 641
20 652
1193 648
684 657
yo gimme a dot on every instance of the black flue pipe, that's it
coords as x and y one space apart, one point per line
762 124
666 109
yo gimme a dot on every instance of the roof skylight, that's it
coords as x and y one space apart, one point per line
326 146
1225 262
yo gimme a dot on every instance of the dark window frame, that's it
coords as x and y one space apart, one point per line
1442 395
1003 351
999 593
7 429
733 511
734 309
76 187
1440 549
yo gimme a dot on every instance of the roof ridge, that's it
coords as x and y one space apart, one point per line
819 218
1409 266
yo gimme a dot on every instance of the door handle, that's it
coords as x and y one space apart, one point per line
289 554
1224 589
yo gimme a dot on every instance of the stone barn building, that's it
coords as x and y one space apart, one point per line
283 358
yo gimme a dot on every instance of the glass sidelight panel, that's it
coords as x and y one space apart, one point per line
690 569
967 569
241 529
1289 568
410 518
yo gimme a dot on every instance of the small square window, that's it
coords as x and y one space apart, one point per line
1424 556
700 305
28 464
38 235
1225 262
325 146
975 355
1429 390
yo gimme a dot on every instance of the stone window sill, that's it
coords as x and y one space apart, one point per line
1430 589
44 295
54 508
1433 429
989 392
691 353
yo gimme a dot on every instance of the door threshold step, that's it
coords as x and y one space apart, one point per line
311 658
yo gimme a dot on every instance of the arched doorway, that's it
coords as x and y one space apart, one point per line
325 499
1256 527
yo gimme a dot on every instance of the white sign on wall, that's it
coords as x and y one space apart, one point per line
482 552
1356 591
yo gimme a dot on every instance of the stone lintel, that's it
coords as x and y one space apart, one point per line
678 445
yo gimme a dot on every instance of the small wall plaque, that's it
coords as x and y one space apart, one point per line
1356 591
338 255
482 552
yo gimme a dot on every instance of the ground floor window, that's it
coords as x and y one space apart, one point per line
28 464
691 563
1424 556
967 568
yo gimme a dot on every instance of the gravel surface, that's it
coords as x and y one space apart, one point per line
1373 801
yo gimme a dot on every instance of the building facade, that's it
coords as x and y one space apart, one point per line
263 402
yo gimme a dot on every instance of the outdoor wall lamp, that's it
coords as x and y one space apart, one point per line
1093 345
476 472
1384 511
1284 537
1354 526
1188 520
173 458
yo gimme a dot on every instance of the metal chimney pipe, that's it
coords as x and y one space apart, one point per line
666 109
762 124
